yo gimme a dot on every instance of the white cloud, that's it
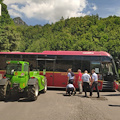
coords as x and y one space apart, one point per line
14 1
113 11
14 13
50 10
94 7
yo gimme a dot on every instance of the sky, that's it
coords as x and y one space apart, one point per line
41 12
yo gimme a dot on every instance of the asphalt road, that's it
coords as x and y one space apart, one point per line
53 105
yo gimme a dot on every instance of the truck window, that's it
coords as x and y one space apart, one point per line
13 67
26 67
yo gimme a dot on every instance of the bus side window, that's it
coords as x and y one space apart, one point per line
63 65
97 66
85 65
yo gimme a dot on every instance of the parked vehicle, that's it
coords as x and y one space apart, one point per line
18 78
56 64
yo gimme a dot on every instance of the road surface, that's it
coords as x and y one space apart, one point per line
53 105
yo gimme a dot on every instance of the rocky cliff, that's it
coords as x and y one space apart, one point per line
19 21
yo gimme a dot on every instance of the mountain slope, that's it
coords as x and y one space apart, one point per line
19 21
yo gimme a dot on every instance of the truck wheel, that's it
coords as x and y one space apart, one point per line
5 91
45 87
33 91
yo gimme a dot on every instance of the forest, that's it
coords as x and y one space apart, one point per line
88 33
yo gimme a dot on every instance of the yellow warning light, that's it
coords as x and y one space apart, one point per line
23 84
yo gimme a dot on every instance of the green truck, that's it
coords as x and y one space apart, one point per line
18 79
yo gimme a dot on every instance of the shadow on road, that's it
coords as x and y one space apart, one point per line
64 94
114 105
100 98
112 95
17 100
25 100
56 89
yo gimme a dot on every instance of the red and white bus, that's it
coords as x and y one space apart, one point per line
57 63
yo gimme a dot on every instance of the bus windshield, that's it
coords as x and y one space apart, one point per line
13 67
107 68
109 71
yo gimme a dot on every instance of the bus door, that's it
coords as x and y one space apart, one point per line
107 69
97 66
48 65
108 76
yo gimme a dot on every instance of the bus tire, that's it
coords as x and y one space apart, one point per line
5 91
33 91
45 87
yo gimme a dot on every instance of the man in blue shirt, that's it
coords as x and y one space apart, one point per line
94 83
70 76
86 80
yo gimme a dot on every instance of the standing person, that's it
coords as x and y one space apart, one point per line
86 80
80 81
94 83
70 76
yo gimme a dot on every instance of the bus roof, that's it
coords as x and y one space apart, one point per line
83 53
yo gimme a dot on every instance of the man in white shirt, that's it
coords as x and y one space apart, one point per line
70 89
94 83
86 80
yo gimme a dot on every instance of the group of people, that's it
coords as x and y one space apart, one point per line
89 82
